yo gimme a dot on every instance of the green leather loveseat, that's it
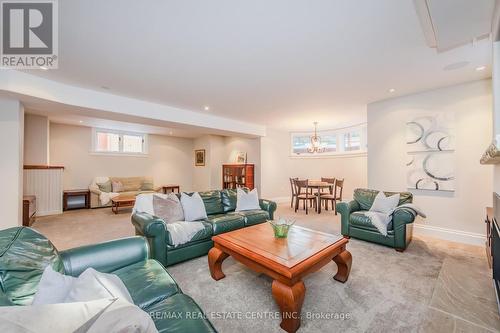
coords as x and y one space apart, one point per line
221 218
355 224
24 254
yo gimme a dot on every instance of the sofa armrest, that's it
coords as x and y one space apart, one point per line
4 300
155 230
105 257
402 234
346 209
269 206
95 190
402 217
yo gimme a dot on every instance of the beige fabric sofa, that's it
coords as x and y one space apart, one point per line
131 186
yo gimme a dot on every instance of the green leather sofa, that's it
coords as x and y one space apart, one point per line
355 224
24 254
220 206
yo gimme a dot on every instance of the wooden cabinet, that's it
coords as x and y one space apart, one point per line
489 225
29 210
238 175
76 199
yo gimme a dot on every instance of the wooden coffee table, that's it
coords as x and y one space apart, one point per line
122 201
286 260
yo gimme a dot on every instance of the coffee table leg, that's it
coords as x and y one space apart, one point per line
343 261
215 259
290 301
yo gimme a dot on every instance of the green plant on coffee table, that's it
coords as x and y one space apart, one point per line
281 227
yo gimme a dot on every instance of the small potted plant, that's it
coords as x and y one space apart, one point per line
281 227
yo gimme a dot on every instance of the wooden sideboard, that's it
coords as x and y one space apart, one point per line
238 175
29 210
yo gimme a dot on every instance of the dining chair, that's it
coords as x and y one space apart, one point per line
339 186
304 195
330 181
293 188
334 196
324 197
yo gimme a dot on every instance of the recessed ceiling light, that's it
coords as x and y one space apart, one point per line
81 121
480 68
206 108
170 132
392 90
43 68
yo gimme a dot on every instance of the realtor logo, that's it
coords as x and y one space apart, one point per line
29 34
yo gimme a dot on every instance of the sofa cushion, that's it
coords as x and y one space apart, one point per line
229 198
254 216
204 234
105 187
212 201
147 184
24 254
179 313
147 282
134 193
222 223
365 197
359 220
129 183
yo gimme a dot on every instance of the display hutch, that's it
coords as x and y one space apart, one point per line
238 175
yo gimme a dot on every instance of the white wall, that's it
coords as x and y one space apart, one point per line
277 167
36 140
496 108
221 150
462 211
170 159
11 165
202 174
251 147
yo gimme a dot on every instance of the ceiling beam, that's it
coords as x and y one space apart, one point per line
24 84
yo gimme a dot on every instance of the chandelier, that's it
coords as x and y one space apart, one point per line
315 146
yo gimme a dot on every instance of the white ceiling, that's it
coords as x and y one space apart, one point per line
278 63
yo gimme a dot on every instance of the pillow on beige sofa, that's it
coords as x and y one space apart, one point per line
105 187
117 186
147 185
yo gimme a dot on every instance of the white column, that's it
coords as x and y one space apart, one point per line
11 162
36 140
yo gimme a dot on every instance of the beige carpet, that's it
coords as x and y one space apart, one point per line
434 286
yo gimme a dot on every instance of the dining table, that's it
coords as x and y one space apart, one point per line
319 185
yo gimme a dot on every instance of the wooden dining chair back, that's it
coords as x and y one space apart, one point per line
304 195
339 187
293 189
330 181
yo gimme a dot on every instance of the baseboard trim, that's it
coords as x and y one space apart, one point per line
53 212
280 199
450 234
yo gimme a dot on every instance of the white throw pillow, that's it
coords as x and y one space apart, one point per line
53 287
383 204
92 285
247 201
103 315
193 207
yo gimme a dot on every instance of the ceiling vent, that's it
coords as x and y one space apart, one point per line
448 24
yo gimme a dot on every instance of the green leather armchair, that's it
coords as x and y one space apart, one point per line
221 217
24 254
355 224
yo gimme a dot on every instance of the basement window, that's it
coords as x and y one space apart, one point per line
343 141
106 141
